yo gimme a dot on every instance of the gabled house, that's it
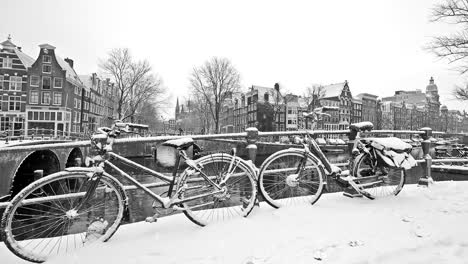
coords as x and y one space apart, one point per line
13 87
55 95
338 95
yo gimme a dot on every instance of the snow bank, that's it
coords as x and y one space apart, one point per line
421 225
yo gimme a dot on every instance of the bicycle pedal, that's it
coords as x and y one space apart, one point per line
351 193
151 219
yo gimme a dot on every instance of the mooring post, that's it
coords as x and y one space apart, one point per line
252 137
38 174
154 151
426 178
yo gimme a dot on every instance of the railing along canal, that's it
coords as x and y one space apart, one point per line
252 136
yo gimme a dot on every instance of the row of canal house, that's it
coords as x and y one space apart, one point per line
45 96
269 110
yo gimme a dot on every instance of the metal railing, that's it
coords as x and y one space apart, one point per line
251 137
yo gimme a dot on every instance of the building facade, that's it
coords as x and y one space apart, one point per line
55 95
13 87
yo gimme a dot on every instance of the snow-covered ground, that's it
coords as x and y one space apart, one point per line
421 225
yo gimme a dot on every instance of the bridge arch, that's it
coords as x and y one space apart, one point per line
72 156
45 160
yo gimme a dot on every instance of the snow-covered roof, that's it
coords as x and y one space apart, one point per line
25 59
333 90
69 71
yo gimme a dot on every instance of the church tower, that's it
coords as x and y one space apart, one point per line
177 109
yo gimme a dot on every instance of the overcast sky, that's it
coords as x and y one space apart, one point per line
376 45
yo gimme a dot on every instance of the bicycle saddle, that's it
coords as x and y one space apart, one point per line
180 143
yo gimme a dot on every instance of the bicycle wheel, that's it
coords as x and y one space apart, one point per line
291 177
42 220
387 181
235 201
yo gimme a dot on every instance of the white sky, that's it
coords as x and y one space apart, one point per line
376 45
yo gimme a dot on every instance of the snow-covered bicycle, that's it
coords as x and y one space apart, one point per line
70 209
377 168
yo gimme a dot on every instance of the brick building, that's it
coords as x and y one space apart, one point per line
370 107
13 87
55 95
98 102
338 95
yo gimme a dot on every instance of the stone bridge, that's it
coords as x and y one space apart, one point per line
18 165
19 160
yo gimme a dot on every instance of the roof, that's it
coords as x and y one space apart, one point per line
26 60
46 46
333 90
367 96
86 80
70 72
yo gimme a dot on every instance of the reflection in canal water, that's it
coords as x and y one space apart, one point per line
141 203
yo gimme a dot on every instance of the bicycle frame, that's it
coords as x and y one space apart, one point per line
171 200
166 202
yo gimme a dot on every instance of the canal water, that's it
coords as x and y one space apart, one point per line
141 203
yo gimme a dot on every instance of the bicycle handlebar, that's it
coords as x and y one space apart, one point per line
121 124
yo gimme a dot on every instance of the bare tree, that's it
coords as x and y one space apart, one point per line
453 47
461 93
201 106
312 95
215 80
135 82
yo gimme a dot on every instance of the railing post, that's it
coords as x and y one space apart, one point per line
154 151
252 137
426 178
351 138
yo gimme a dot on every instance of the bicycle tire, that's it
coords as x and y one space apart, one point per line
280 189
50 217
238 199
392 187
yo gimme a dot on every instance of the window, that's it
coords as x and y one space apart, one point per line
7 62
46 59
34 97
4 123
58 82
34 81
46 98
15 83
46 83
57 98
46 68
1 82
15 103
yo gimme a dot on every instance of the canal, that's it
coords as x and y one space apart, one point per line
141 203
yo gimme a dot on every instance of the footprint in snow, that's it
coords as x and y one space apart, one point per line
420 231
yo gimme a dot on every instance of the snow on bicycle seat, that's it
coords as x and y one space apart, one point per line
390 143
180 143
362 126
